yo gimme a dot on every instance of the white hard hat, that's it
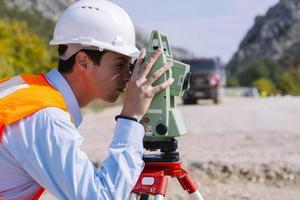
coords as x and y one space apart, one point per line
96 23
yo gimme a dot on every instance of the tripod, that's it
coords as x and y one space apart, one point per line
154 178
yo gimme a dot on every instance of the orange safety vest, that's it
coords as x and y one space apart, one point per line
22 96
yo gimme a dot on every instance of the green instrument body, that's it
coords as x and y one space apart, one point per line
163 120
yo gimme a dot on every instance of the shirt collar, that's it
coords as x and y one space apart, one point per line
56 79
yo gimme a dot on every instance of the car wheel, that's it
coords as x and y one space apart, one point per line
189 101
217 99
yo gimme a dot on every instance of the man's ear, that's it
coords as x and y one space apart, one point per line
82 59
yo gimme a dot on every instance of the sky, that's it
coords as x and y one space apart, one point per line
207 28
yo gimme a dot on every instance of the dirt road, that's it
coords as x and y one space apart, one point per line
244 148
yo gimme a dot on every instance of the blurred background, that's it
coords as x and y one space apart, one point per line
242 109
255 43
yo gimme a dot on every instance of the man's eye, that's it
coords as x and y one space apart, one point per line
120 66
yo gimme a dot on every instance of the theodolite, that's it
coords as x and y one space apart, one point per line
163 121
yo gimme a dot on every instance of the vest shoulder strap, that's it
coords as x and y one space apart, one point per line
22 96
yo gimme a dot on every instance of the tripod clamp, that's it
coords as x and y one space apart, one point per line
158 167
154 180
163 123
167 149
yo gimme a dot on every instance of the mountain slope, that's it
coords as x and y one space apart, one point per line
48 8
275 36
52 9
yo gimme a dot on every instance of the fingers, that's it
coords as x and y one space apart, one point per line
147 66
158 73
138 64
163 86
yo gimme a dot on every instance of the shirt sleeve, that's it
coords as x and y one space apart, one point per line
51 155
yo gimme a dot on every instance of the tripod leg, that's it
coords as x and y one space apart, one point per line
144 197
189 185
159 197
196 196
134 196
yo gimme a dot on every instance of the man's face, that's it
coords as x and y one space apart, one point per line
109 79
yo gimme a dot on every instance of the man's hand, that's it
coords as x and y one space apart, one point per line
140 90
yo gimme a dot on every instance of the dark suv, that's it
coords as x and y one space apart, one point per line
207 77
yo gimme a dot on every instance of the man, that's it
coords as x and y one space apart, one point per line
40 146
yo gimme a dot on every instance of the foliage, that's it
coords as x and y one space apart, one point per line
35 21
23 42
269 77
232 82
22 51
265 86
290 81
287 84
252 72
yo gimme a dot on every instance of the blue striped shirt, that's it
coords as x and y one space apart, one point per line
44 150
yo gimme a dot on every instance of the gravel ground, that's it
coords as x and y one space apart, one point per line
244 148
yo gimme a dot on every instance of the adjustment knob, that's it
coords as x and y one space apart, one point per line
161 129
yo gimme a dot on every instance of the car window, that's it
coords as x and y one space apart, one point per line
202 65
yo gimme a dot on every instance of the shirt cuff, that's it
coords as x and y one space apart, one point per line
128 132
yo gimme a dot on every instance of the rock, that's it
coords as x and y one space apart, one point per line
54 8
275 36
49 9
267 173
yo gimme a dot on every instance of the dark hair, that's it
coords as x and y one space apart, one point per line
66 66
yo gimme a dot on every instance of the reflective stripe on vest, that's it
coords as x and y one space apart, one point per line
24 95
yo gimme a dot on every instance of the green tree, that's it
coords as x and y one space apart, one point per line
35 21
22 51
286 84
264 86
255 70
290 81
232 82
275 70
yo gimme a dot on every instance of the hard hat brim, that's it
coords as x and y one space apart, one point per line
126 50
